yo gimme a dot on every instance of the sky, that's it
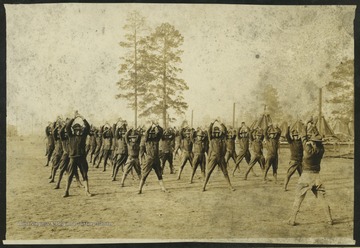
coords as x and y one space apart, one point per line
65 57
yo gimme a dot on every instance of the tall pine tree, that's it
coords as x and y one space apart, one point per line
165 91
134 73
341 88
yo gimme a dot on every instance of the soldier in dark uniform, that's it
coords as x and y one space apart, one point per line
256 150
296 150
107 136
199 139
50 143
167 147
93 144
64 161
242 146
90 140
58 151
186 148
217 151
142 145
310 178
177 142
113 145
77 138
99 145
132 139
230 146
272 142
152 137
121 152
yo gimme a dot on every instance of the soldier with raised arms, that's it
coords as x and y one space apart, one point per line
314 150
186 149
242 146
121 152
77 139
132 139
152 137
272 142
256 150
50 143
217 149
167 147
296 154
199 139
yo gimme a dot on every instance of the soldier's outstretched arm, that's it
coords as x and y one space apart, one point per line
223 128
287 135
210 130
68 127
161 131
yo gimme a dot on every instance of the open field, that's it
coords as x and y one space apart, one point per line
255 212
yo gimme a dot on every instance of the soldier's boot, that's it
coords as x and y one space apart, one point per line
142 182
275 176
59 180
87 192
253 172
292 219
295 210
115 173
192 177
235 168
180 171
68 183
328 215
172 170
80 185
123 180
163 189
229 183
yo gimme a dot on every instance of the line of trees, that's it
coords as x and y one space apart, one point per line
341 88
149 69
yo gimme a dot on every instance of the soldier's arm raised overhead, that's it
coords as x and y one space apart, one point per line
278 133
68 127
160 133
147 133
210 130
87 127
287 135
62 132
55 132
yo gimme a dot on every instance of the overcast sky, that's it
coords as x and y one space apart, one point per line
65 57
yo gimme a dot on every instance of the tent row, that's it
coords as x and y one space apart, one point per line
340 132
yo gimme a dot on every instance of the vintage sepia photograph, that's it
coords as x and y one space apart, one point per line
157 123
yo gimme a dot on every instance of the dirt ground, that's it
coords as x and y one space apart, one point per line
255 212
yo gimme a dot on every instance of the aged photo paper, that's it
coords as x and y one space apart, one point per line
178 65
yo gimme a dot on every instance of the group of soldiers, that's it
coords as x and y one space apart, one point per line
70 144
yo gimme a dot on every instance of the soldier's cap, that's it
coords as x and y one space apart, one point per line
133 136
271 131
243 130
77 126
153 130
316 138
216 130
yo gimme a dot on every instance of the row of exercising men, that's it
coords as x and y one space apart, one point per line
124 145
